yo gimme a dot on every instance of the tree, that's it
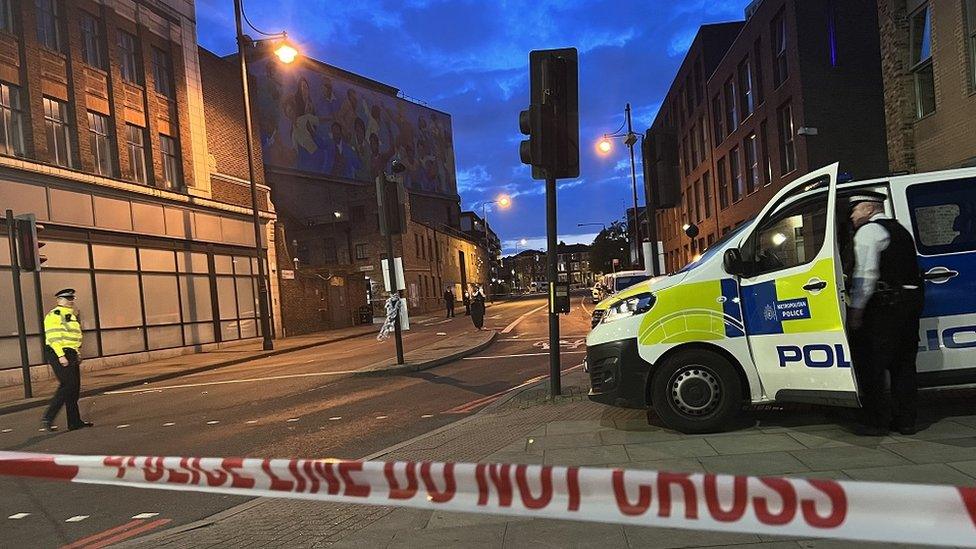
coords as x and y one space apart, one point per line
610 244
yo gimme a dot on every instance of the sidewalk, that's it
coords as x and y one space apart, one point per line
527 428
110 379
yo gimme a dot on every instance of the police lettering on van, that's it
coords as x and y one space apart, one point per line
760 316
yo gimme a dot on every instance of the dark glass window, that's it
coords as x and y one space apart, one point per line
129 58
100 143
48 23
921 61
91 40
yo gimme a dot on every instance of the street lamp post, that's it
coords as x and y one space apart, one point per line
630 139
504 202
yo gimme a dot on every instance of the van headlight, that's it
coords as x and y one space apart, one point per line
633 305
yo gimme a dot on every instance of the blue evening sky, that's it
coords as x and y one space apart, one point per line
469 58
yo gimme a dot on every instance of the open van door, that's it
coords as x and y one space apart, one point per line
791 291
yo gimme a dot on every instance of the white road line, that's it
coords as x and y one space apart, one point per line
292 420
18 516
144 515
6 430
442 333
583 305
169 424
251 421
381 417
230 381
520 355
213 422
427 415
77 518
516 322
336 418
123 426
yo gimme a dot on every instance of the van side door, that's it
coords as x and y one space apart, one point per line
942 218
791 295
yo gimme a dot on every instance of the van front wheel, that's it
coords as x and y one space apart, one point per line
696 391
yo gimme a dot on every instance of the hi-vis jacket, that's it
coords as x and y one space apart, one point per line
62 330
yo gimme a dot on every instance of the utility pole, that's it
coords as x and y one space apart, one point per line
630 141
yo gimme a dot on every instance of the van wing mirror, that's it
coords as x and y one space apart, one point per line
732 261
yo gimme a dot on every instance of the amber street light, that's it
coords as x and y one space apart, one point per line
286 53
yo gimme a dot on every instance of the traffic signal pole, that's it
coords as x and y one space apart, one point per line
555 381
19 303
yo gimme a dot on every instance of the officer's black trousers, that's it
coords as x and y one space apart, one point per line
887 342
69 386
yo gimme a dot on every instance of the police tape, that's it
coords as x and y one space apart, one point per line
818 508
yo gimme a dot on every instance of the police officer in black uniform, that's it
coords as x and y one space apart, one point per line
886 300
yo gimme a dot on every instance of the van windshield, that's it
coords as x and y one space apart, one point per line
714 248
628 281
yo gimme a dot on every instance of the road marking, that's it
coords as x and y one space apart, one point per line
169 424
381 417
521 355
116 535
427 415
292 420
336 418
496 317
18 516
442 333
145 515
484 401
251 421
583 305
516 322
77 518
213 422
6 430
123 426
230 381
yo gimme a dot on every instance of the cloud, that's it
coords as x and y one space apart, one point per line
473 178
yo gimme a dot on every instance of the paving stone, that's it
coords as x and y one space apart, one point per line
521 458
636 423
817 440
572 440
577 426
837 437
941 451
753 444
445 519
772 463
680 465
848 457
637 437
764 545
944 429
597 455
966 467
561 533
665 450
932 473
640 536
482 535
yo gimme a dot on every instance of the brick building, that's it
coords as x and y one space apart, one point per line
105 141
326 134
525 268
573 265
795 87
474 227
928 53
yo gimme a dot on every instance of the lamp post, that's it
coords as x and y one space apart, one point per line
630 139
286 53
504 201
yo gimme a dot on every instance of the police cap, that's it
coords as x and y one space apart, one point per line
866 196
67 293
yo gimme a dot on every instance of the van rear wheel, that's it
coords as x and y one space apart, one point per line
696 391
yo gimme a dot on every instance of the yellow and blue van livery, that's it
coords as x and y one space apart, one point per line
760 316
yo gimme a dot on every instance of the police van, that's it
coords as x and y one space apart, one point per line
760 316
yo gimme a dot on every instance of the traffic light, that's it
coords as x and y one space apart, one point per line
28 247
552 119
391 197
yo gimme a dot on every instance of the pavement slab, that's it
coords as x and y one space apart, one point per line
771 463
939 451
931 473
849 457
671 449
595 455
754 444
666 538
562 533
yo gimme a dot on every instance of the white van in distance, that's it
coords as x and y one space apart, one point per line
760 317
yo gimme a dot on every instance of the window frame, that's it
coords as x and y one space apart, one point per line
917 192
969 6
7 17
922 68
707 194
55 126
750 246
91 40
723 183
750 147
101 136
718 119
129 58
731 105
163 73
169 153
137 150
11 119
779 46
48 25
787 139
747 101
735 175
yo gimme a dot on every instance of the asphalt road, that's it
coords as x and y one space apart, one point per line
296 405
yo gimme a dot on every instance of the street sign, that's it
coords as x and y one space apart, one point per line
398 265
287 275
365 268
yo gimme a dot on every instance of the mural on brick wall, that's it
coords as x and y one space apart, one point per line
314 122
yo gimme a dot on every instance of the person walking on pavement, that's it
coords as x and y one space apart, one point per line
449 302
478 310
466 300
62 338
887 297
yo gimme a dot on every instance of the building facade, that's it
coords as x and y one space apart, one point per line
105 142
784 98
473 226
573 265
928 53
326 134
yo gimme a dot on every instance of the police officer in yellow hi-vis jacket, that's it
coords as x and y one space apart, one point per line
62 338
